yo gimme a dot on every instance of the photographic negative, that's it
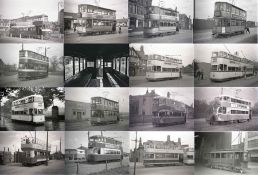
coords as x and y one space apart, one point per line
97 152
161 109
225 108
32 108
101 65
156 21
161 65
23 65
95 21
95 109
31 21
160 152
218 21
37 152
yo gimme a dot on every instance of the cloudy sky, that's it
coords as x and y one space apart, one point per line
185 94
74 139
12 139
209 93
10 52
10 9
121 6
205 8
85 94
184 52
203 52
187 137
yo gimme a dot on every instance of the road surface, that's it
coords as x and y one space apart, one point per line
200 124
183 36
85 125
251 81
188 126
89 168
140 81
55 167
107 38
28 40
205 36
50 81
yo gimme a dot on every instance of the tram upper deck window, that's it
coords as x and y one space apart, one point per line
214 67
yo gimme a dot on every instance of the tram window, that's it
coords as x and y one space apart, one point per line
221 67
220 110
35 111
218 22
40 111
217 155
30 111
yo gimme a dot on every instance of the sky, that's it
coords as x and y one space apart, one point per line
12 139
10 9
184 52
183 94
121 6
209 93
74 139
205 8
10 52
203 52
183 6
85 94
187 137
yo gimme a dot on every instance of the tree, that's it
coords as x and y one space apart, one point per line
55 61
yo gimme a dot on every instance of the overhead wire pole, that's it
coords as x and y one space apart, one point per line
134 170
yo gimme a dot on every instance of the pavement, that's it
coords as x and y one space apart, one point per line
200 124
205 36
140 81
107 38
183 36
55 167
50 81
122 125
28 40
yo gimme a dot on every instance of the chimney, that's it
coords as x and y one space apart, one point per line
8 149
179 141
168 138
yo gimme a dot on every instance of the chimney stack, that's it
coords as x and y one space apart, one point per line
179 141
168 138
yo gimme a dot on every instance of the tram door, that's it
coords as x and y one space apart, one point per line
181 158
79 115
99 67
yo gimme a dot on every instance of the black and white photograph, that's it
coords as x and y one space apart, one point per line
225 109
96 21
164 109
32 152
226 153
160 21
101 65
160 152
225 21
225 65
161 65
97 152
32 109
23 65
30 21
95 109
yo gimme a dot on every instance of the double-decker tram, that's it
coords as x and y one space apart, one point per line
35 151
32 65
104 111
231 160
168 112
160 21
231 109
104 149
226 66
163 67
29 109
95 20
229 19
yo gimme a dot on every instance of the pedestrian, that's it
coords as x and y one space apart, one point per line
120 29
247 29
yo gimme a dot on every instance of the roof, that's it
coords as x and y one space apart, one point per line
227 151
28 97
104 98
231 4
97 7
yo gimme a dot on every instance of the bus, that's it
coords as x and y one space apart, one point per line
160 21
32 65
228 19
163 67
95 20
104 111
167 111
35 151
104 149
230 109
29 109
231 160
227 66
